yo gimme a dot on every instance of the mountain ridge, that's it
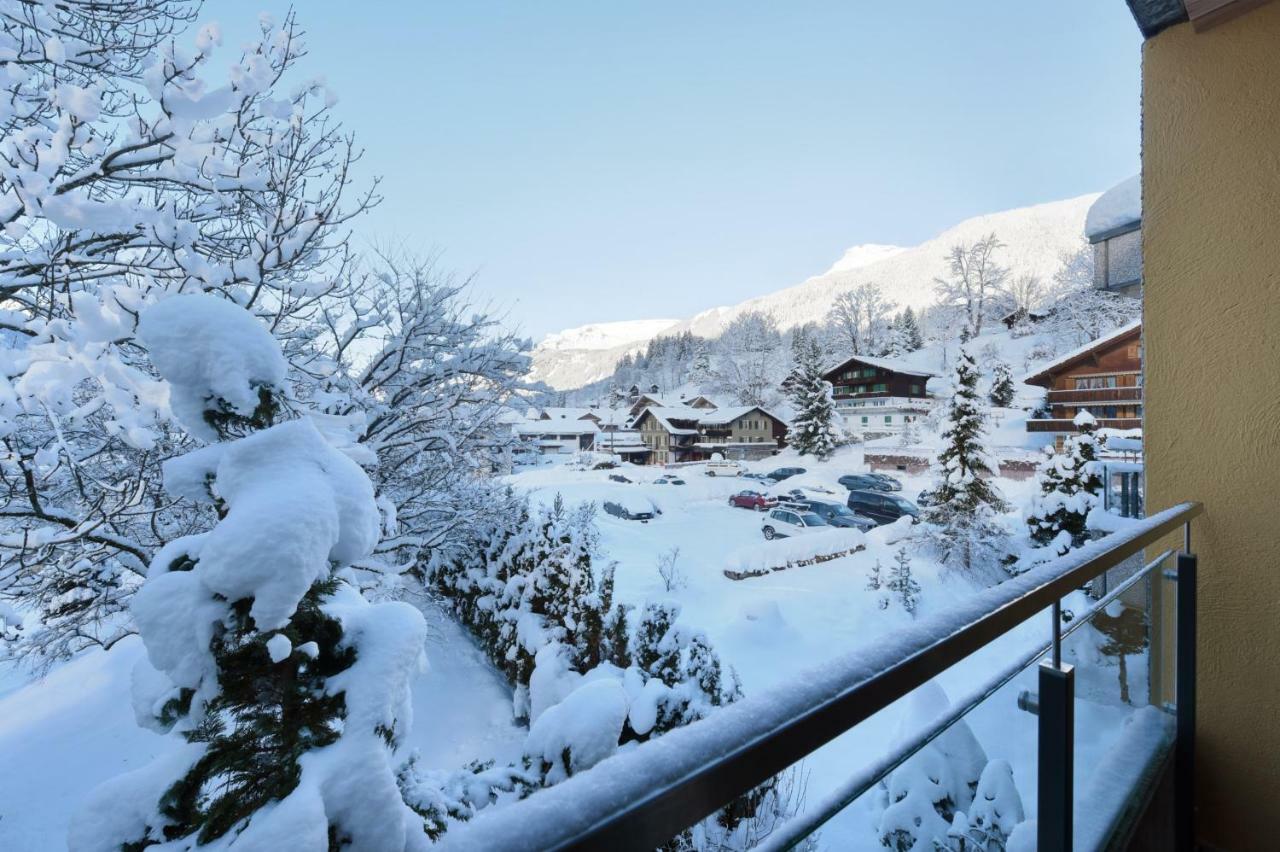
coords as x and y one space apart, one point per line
1035 237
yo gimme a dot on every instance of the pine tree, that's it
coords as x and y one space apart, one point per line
874 582
814 429
258 643
913 340
901 583
962 515
1002 389
1070 487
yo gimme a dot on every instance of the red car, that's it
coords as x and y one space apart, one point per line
752 500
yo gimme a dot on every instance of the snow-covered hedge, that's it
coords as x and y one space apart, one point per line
765 557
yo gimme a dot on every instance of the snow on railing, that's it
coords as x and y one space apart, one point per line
639 798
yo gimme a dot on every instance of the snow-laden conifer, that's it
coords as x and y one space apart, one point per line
1070 484
290 690
815 428
963 515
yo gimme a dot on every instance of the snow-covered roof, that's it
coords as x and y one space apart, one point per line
1059 363
1115 210
555 427
701 416
720 416
567 413
885 364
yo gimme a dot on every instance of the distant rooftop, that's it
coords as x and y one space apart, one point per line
1116 211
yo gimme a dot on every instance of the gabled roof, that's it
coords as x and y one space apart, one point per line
883 364
1065 362
702 416
720 416
552 413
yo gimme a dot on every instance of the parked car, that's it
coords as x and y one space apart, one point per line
839 516
864 482
881 507
725 467
785 473
894 484
605 465
632 508
669 479
783 523
752 500
760 477
617 477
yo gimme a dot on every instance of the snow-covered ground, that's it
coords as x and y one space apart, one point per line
62 735
769 628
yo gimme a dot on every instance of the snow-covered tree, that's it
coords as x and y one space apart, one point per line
815 426
901 583
859 320
264 655
962 517
1070 484
1001 395
128 172
750 363
1078 310
974 281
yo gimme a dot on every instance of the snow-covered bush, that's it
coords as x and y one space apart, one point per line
1070 484
756 560
1001 395
947 795
962 516
290 690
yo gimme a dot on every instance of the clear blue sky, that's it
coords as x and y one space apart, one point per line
597 161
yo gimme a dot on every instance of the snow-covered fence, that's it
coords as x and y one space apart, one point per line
781 554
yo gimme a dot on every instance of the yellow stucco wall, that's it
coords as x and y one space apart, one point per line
1211 229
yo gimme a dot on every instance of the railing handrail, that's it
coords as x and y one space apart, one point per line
641 798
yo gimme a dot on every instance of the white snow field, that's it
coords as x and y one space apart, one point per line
773 627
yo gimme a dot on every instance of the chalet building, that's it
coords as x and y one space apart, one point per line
686 433
878 396
650 400
1103 378
1113 226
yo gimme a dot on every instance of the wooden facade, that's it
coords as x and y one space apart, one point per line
866 378
1104 379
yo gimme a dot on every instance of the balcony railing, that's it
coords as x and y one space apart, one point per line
1065 425
640 799
1070 395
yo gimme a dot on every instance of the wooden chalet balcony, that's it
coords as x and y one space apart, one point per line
1125 394
1065 425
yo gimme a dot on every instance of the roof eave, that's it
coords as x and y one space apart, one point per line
1118 230
1155 16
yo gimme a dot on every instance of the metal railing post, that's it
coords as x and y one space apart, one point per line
1056 754
1184 777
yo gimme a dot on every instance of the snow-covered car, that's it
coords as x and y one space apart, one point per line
752 500
786 522
631 507
865 482
764 479
785 473
881 507
893 484
725 467
617 477
669 479
837 515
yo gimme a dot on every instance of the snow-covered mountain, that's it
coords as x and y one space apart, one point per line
1035 239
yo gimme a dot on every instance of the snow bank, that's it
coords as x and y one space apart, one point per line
765 557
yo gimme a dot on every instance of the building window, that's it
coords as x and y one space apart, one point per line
864 420
888 418
880 388
915 390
